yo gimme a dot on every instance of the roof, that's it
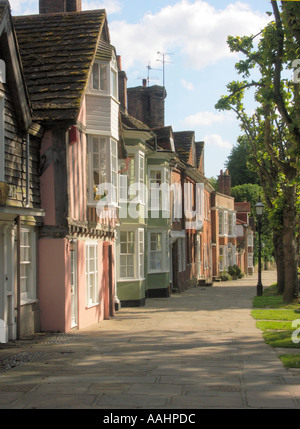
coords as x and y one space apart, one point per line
57 51
14 73
183 145
129 123
199 152
165 138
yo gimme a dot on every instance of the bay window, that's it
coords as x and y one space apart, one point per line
158 195
132 178
158 251
99 77
131 254
103 169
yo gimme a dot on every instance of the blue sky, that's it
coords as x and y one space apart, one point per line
200 64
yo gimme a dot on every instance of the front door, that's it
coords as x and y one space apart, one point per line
74 288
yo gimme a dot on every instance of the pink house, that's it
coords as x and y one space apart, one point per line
71 71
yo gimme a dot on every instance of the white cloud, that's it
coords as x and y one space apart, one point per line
217 140
195 29
111 6
187 85
20 7
208 118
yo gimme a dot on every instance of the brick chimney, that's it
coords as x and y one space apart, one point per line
53 6
147 104
122 85
224 183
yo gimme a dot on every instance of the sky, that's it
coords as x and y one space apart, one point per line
191 36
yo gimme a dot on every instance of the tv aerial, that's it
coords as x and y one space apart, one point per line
164 61
149 67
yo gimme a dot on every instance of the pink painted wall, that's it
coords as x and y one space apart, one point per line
52 297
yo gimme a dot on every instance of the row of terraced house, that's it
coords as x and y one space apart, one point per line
101 204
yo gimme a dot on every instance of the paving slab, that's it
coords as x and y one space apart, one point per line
199 349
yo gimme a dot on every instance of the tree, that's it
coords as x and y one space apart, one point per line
238 164
273 132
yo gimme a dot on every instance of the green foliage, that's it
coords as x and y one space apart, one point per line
225 276
239 164
275 320
290 360
235 272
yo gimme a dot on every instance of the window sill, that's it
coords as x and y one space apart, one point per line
27 301
159 272
131 280
94 304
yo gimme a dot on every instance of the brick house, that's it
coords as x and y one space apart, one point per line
20 202
191 253
245 237
71 71
224 240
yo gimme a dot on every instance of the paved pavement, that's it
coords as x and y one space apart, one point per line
195 350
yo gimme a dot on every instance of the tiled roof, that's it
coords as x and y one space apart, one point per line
183 144
57 51
199 152
129 123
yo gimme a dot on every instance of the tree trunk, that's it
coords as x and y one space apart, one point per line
290 246
279 258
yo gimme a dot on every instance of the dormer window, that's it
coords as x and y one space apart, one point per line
99 77
104 78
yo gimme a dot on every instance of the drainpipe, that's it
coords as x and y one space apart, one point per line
18 222
27 169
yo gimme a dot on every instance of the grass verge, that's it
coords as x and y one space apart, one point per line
280 324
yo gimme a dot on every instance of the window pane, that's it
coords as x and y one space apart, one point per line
95 76
103 77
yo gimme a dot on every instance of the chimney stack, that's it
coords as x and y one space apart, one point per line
122 85
224 183
147 104
54 6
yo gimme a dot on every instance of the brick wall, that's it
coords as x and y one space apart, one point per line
53 6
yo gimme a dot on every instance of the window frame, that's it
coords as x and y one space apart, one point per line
137 176
111 168
29 295
165 268
92 299
165 179
137 254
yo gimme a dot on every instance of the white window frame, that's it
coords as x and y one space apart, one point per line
28 264
100 65
2 140
92 288
138 260
165 179
111 168
110 71
127 180
163 253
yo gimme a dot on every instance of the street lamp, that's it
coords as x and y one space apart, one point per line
259 208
